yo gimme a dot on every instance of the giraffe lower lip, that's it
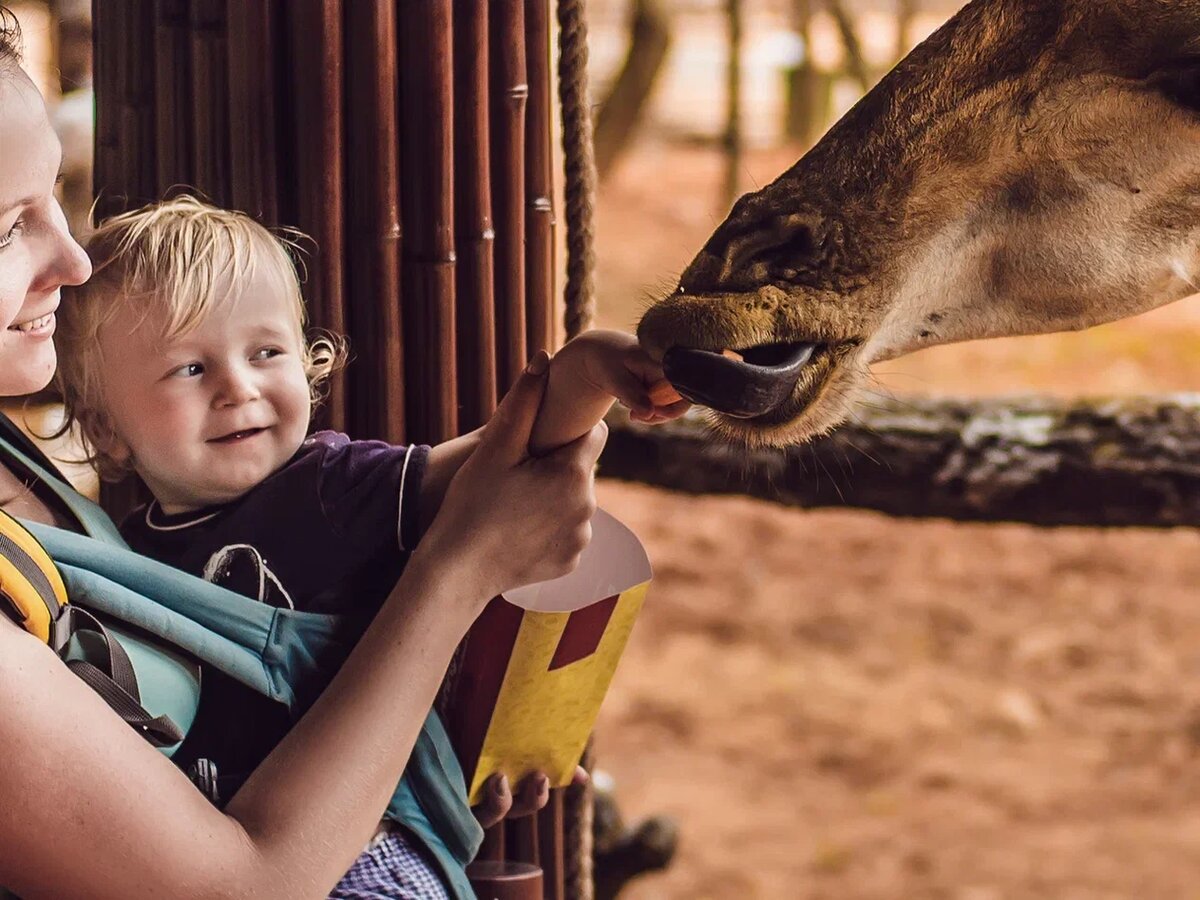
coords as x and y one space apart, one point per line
761 381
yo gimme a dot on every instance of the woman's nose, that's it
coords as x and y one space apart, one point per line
65 262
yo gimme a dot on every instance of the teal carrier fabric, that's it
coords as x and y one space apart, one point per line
284 654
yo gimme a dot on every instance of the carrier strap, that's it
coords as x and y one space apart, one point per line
118 685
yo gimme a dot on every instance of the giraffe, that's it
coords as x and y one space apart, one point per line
1034 166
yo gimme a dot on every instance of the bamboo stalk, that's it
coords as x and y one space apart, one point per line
106 151
427 208
252 120
521 839
125 167
476 313
172 94
373 320
135 111
539 183
313 187
509 91
551 846
210 100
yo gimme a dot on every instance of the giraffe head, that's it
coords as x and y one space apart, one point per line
1034 166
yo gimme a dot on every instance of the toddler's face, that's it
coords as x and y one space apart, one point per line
208 415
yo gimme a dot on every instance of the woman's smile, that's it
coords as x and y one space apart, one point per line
41 327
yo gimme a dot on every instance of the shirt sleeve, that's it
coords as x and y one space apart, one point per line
369 489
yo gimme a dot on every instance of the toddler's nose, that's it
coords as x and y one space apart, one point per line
236 388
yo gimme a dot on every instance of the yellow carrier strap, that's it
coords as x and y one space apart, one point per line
32 593
31 590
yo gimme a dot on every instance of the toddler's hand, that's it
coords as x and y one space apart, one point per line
614 362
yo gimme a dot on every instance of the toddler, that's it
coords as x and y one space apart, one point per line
185 360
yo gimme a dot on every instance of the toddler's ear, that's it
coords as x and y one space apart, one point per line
98 431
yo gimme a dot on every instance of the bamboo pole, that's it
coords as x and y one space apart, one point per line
125 165
427 194
137 114
509 92
172 93
313 189
476 237
105 53
539 183
551 846
376 381
210 100
252 53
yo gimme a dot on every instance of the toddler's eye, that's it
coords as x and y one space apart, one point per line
11 234
188 370
266 353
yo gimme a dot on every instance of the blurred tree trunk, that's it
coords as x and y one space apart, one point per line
617 120
733 121
855 63
809 92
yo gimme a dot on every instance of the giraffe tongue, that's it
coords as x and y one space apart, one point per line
752 385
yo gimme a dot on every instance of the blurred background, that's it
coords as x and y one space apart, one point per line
837 704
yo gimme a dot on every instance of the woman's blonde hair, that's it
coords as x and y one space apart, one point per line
181 258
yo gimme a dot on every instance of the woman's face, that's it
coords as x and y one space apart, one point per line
37 253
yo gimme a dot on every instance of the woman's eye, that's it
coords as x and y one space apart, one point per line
188 370
11 234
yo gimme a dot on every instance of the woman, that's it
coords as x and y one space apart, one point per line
87 808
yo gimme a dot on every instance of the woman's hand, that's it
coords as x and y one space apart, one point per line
532 794
515 519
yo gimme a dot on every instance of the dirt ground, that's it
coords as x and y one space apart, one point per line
836 704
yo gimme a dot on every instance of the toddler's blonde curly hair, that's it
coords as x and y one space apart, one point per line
180 258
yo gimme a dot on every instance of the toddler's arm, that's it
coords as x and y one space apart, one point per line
587 375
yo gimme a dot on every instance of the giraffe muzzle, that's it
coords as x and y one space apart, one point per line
758 382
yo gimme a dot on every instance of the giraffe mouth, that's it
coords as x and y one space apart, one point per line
743 384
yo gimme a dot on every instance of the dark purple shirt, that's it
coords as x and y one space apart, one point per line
328 533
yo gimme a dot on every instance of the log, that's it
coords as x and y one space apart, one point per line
1042 461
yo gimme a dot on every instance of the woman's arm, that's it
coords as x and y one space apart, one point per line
88 809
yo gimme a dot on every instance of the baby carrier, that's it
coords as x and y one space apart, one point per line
141 634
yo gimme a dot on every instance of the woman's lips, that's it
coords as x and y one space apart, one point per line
42 325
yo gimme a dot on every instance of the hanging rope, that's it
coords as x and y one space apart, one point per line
579 194
579 191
